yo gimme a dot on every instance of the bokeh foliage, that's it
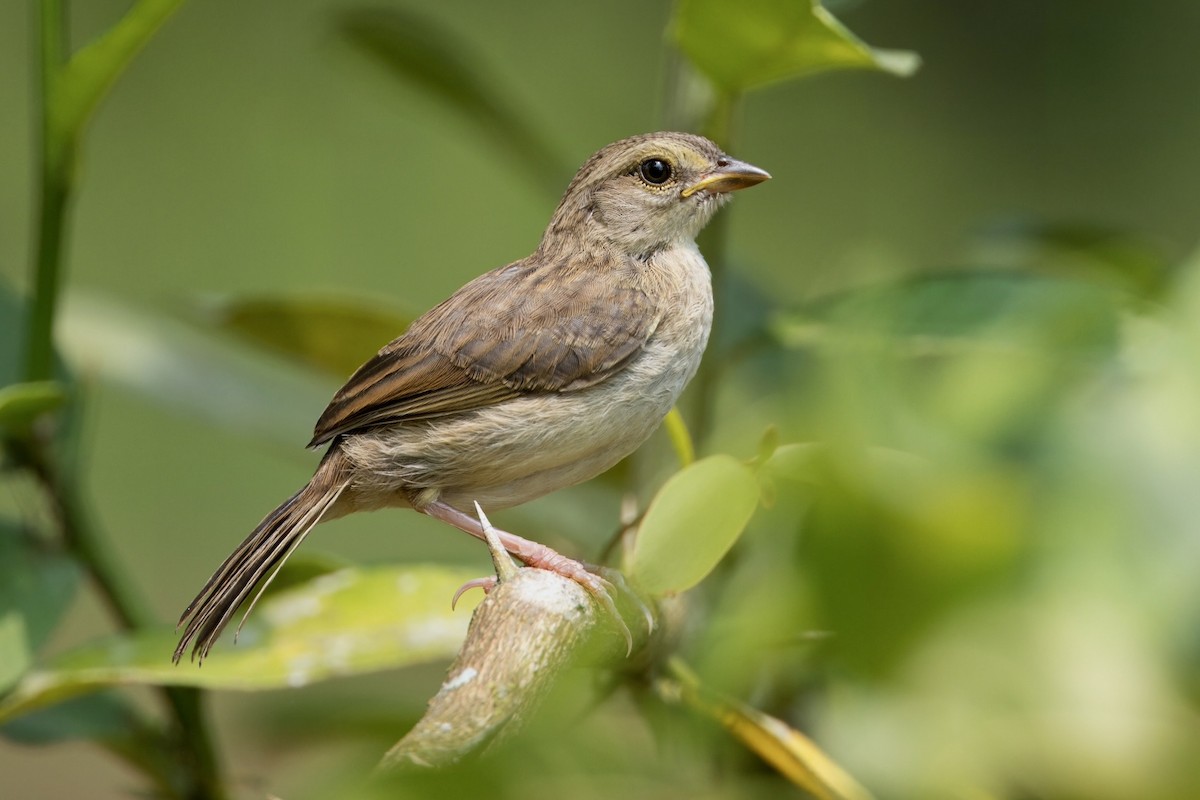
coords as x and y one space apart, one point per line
969 569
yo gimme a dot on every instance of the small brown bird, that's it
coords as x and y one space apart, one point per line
531 378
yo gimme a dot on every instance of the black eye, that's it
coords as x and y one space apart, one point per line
655 171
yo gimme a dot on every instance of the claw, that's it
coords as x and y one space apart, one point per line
617 577
487 584
601 589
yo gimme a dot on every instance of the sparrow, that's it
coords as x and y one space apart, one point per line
530 378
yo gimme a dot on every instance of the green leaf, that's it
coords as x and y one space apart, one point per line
93 70
752 43
22 403
343 623
103 715
428 54
36 589
1123 260
109 720
334 335
691 523
955 312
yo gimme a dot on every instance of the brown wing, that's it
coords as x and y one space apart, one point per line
501 335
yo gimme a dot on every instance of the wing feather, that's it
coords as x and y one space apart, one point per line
500 336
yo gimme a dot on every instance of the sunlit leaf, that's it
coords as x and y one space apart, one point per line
335 335
22 403
36 588
303 567
790 752
343 623
691 523
743 45
419 49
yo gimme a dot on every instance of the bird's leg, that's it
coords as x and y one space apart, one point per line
533 554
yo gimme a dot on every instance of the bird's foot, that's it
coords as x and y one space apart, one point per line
594 580
539 556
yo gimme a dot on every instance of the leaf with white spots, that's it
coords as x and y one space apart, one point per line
342 623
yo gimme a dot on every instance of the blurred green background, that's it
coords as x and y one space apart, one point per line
1013 613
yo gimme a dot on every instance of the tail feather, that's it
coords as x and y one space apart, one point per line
263 551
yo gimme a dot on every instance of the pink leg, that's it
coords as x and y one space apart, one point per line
536 555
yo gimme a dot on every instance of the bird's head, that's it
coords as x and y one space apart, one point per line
648 193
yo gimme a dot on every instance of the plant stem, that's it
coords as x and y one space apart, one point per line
198 773
54 193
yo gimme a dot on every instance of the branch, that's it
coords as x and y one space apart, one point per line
521 638
531 628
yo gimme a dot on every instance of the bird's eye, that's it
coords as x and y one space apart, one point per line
655 171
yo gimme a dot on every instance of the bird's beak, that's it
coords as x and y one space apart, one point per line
730 176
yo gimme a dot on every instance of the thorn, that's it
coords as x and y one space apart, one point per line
505 568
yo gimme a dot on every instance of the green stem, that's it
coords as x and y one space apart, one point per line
199 775
81 537
55 191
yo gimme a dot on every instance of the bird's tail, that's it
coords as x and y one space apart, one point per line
264 550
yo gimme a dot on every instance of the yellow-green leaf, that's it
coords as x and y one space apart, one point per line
790 752
343 623
691 523
749 43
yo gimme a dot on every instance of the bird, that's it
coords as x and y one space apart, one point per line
532 377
